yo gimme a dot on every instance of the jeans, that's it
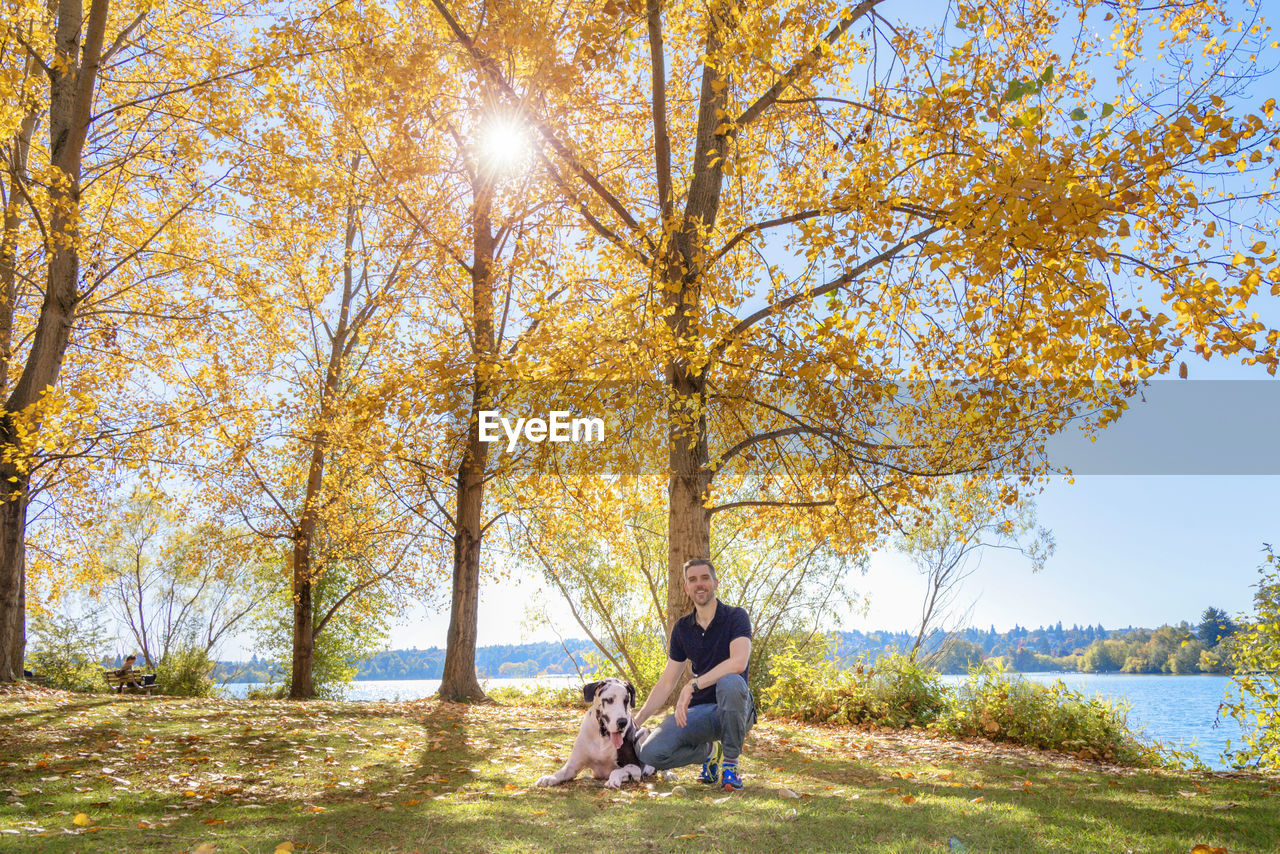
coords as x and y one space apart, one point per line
670 745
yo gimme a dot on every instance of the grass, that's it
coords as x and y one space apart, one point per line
156 774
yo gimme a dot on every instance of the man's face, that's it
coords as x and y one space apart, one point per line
699 584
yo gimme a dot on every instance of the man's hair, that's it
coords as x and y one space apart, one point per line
698 561
131 658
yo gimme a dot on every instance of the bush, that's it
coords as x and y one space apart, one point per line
897 692
1053 717
186 672
67 651
541 695
894 691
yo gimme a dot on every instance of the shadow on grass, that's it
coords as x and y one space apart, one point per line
440 777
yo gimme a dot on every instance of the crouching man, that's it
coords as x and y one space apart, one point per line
714 711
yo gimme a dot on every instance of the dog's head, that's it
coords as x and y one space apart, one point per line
612 700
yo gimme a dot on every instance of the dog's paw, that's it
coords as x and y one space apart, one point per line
649 771
669 776
616 779
549 780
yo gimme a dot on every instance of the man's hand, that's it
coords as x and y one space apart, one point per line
682 704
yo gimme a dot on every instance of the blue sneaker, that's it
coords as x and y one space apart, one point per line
729 780
711 766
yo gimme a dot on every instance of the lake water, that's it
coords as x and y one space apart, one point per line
1180 710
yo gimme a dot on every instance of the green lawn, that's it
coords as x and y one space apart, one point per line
105 773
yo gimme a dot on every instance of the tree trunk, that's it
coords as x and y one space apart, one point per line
13 611
459 683
302 684
71 90
688 523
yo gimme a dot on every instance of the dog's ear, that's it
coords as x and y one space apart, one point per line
589 690
631 694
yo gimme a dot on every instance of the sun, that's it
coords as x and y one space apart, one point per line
504 145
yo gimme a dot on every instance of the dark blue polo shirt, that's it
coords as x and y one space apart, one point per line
706 648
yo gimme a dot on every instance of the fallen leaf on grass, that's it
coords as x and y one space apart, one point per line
907 799
787 793
893 790
214 821
1226 806
204 848
978 800
285 848
691 836
1205 849
81 820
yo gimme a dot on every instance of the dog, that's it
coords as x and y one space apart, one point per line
606 742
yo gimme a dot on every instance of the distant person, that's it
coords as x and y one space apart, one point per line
714 710
127 675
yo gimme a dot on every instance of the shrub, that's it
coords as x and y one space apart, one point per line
1048 717
67 651
563 696
894 691
186 672
1254 696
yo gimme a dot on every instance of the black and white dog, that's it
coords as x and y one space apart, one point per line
606 742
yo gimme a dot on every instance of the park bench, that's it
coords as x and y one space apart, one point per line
132 682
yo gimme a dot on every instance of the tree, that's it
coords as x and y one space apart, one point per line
1214 626
497 271
614 582
317 288
965 517
175 586
949 237
122 88
1254 696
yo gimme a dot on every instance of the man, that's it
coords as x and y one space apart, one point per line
714 710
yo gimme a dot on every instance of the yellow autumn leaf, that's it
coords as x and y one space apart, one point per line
908 799
81 820
1259 247
285 848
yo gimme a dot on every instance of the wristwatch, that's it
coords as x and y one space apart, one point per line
694 683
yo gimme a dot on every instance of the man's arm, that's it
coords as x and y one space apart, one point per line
739 655
661 691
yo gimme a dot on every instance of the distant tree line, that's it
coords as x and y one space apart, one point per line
501 661
1202 647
